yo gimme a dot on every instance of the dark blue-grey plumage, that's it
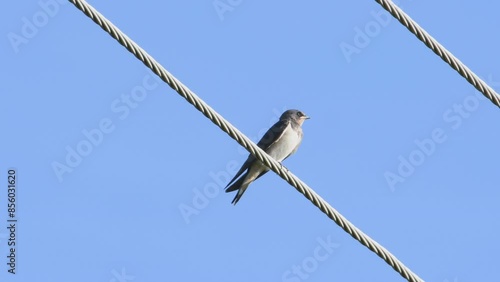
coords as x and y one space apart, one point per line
280 141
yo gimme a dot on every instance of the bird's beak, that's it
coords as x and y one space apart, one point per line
306 117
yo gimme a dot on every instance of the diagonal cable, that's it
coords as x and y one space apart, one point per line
439 49
275 166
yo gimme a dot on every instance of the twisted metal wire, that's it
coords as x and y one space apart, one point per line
439 50
234 133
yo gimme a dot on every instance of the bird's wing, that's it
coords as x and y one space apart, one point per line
272 135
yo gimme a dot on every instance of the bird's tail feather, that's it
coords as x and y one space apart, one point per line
241 185
240 193
236 185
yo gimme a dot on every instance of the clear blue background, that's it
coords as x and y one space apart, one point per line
117 215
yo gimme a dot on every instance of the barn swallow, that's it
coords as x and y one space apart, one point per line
279 142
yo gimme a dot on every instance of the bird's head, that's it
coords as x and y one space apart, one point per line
294 115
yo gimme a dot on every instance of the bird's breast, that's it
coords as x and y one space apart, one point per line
286 144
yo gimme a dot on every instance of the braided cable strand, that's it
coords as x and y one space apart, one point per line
439 50
275 166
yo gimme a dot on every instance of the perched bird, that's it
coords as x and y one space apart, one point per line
280 141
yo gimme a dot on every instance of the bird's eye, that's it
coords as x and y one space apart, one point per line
299 114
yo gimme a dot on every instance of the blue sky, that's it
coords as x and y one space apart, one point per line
120 179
